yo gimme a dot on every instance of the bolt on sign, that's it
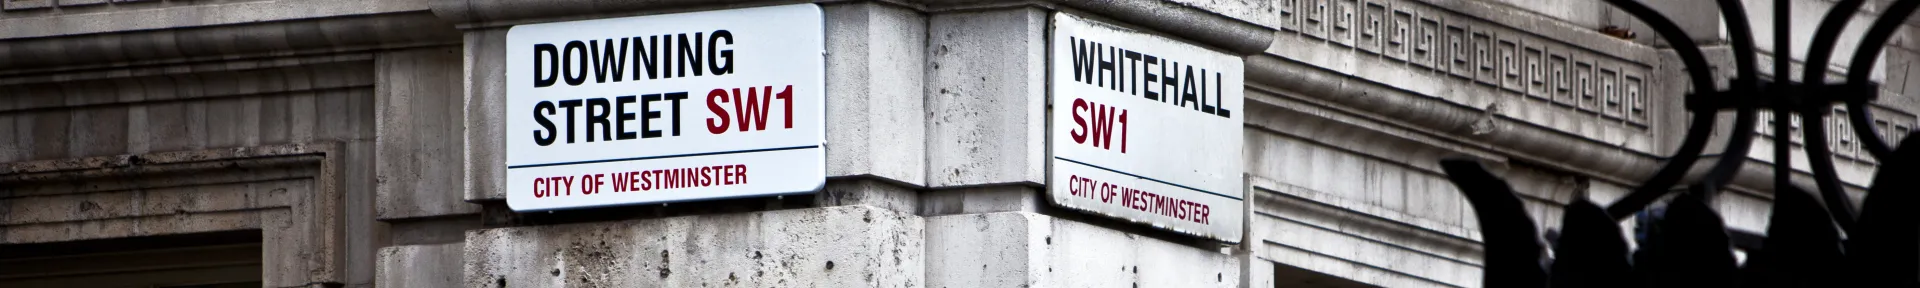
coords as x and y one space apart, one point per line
665 108
1146 128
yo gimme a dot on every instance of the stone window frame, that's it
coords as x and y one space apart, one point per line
288 231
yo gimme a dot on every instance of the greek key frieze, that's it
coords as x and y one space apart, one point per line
1892 125
1543 71
1372 27
1400 35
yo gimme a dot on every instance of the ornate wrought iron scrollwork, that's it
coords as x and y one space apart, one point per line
1810 244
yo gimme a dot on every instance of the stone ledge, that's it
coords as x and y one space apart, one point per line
36 57
139 19
1019 249
1199 24
1503 134
816 247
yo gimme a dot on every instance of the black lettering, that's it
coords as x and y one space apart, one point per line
569 105
1204 107
1082 61
675 98
1169 80
553 71
715 59
1152 78
666 56
690 54
1222 111
1115 79
1133 66
599 119
647 115
547 125
1186 89
566 60
644 56
1106 65
621 116
608 58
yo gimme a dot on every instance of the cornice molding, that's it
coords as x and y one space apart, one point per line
1193 23
191 15
259 40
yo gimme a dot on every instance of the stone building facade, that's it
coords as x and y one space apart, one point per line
352 143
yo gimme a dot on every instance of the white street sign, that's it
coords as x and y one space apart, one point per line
1146 128
664 108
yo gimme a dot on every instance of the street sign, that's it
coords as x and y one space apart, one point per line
1146 128
665 108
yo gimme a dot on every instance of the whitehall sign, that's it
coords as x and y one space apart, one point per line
1146 128
665 108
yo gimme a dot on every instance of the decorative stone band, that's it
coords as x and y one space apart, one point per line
1582 83
179 162
1891 124
1194 23
1519 140
45 55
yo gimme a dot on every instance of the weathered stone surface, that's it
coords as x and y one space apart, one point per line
419 131
843 246
486 124
973 200
876 104
869 192
1019 249
986 97
409 266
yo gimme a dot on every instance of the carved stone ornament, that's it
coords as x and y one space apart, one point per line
1816 237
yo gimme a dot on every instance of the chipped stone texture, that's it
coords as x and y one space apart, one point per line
972 200
1019 249
419 134
486 96
987 74
845 246
412 266
876 111
870 192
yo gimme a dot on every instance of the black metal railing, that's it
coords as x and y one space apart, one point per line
1812 242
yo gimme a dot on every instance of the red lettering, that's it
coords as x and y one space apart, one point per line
1101 130
787 96
598 181
718 111
755 114
539 187
633 181
1102 126
646 180
1123 131
706 176
619 182
1204 212
1079 132
1073 185
673 178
